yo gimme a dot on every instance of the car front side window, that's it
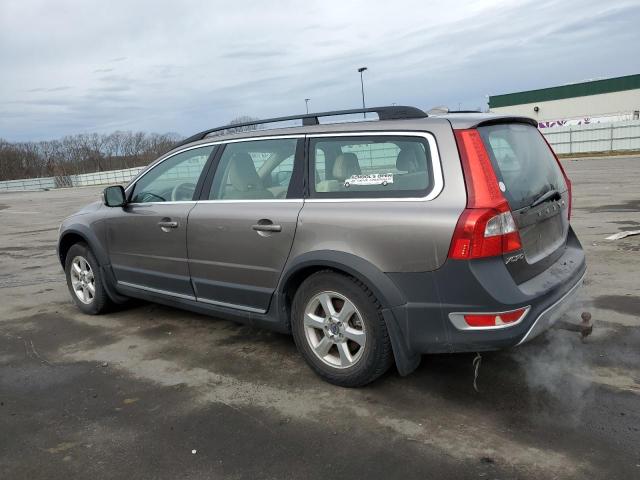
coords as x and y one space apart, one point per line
254 170
174 179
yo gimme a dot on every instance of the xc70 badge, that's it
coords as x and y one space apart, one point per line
514 258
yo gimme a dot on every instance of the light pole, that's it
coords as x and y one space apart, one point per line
306 103
362 69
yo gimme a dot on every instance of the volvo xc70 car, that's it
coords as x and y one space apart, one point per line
371 242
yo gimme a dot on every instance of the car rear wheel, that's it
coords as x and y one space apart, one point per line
339 330
84 280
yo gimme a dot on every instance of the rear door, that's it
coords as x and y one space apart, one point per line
147 238
528 172
241 232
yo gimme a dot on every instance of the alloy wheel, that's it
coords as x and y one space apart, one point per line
334 329
82 280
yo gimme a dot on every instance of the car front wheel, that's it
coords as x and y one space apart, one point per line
84 280
339 330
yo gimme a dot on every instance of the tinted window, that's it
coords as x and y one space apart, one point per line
523 162
173 179
254 170
281 175
381 166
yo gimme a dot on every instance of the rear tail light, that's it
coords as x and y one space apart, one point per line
486 227
564 174
500 225
480 320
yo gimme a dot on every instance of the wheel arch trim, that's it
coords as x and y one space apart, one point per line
91 239
380 284
88 236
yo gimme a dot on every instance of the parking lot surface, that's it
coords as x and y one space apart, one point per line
154 392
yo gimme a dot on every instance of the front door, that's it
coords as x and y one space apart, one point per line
147 239
240 236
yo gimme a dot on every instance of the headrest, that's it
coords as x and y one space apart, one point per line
409 161
242 173
346 164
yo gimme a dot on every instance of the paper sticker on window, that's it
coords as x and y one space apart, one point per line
371 179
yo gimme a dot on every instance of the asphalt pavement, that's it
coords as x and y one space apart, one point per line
154 392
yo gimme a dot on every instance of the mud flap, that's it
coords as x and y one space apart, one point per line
406 360
109 285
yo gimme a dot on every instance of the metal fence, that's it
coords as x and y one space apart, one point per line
83 180
615 137
28 184
101 178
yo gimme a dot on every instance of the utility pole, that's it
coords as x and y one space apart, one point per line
362 69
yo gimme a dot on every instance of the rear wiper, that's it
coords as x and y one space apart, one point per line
549 195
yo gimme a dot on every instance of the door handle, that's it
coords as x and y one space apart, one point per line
167 224
268 227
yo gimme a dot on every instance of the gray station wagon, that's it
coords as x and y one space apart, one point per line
372 242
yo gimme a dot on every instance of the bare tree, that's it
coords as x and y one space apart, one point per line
84 153
239 120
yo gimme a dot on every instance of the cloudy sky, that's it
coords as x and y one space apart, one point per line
165 66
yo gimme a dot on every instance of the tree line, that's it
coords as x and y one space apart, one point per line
83 153
90 152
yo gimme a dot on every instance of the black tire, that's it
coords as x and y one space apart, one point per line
376 357
100 303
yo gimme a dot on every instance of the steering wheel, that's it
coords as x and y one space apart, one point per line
182 190
148 197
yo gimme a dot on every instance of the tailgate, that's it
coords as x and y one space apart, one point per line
527 170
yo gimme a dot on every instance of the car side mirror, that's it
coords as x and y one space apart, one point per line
114 196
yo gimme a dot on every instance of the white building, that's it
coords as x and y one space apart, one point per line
609 100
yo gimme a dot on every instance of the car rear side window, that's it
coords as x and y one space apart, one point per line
523 162
370 167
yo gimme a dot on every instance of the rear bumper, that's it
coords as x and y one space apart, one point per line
484 286
547 318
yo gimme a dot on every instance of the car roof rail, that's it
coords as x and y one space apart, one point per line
384 113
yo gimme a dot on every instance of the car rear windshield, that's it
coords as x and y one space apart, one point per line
523 162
